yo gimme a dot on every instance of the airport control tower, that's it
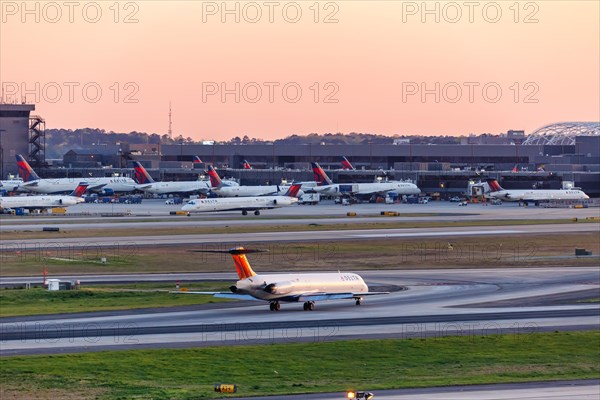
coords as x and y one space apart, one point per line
16 136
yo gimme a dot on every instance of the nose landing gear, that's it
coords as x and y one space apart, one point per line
309 306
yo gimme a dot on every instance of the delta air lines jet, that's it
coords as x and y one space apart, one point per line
534 195
326 186
43 202
238 191
293 288
105 185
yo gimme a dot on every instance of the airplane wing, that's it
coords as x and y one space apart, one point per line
224 295
96 188
30 183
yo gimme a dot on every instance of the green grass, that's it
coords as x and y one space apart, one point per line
21 302
280 227
303 368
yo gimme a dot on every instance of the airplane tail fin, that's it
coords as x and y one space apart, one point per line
346 164
215 179
320 176
515 168
141 175
494 185
293 190
80 189
197 160
27 173
242 266
247 165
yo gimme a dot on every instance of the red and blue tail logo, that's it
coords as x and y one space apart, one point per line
246 165
215 180
141 175
494 185
293 190
319 175
197 160
346 164
25 171
80 189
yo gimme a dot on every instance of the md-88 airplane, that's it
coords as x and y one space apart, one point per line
326 186
533 195
103 185
293 287
43 202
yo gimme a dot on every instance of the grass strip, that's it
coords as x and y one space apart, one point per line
489 251
304 368
37 301
220 229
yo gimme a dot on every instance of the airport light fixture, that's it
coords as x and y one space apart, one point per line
352 395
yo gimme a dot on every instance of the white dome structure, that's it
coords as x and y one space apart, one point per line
563 133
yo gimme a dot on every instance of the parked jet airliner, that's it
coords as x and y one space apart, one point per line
145 183
221 190
33 183
346 164
534 195
326 186
43 202
296 287
245 204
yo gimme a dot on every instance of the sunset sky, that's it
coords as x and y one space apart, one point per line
361 66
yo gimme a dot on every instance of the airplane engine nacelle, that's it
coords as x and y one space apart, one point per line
108 192
279 287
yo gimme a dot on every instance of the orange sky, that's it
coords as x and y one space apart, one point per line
373 59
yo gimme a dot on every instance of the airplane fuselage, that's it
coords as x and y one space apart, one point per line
245 191
238 203
279 286
62 185
175 187
338 189
39 202
538 195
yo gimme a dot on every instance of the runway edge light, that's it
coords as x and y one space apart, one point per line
225 388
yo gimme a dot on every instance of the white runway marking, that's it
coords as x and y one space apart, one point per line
446 233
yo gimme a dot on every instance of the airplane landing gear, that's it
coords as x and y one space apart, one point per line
309 306
256 212
274 306
244 212
358 301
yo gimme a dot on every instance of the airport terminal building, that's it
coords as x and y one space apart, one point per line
543 159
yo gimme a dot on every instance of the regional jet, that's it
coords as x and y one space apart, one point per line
346 164
534 195
145 183
43 202
296 287
245 204
33 183
222 190
326 186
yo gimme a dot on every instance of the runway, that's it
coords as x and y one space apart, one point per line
298 236
155 214
437 303
581 390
